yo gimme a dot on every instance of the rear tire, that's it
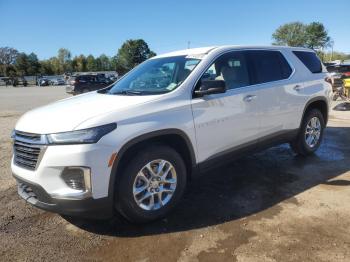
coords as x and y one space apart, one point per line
151 184
310 133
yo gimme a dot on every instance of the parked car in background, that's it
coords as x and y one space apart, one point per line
133 147
86 83
57 82
339 73
43 82
113 78
15 81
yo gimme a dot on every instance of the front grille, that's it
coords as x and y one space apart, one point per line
27 149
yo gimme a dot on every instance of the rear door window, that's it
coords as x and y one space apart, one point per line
310 60
267 66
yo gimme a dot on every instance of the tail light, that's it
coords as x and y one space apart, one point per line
347 74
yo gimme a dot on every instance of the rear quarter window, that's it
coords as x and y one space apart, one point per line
268 66
310 60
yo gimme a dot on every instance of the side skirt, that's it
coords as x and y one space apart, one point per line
252 147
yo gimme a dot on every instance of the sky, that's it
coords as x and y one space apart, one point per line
101 26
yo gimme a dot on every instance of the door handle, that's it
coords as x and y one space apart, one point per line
249 98
297 87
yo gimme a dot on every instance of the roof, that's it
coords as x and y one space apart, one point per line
197 52
190 52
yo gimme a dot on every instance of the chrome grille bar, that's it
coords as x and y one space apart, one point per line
28 149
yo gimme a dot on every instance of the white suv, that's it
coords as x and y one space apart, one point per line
134 145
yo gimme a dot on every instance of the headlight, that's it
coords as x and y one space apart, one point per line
83 136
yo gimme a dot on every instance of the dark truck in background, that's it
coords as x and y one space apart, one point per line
85 83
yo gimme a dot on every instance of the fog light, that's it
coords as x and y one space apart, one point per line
77 178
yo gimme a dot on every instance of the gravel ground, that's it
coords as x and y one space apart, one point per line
270 206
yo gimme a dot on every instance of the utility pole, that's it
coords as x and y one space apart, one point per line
332 44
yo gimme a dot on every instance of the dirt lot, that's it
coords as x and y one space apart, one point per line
271 206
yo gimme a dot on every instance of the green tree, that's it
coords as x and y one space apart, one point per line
105 63
55 65
316 36
90 63
79 63
11 71
64 58
113 63
27 64
46 67
98 64
291 34
132 53
33 64
74 64
22 64
313 35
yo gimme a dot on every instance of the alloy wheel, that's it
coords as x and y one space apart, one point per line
313 132
155 184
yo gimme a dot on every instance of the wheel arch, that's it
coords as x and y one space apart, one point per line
319 103
175 138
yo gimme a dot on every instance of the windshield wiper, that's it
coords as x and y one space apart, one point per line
128 92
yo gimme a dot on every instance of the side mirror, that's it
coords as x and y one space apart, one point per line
209 87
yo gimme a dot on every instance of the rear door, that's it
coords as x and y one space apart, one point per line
278 96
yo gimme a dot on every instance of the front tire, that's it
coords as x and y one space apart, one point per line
310 133
151 184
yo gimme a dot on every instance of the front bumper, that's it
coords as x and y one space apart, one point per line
51 191
34 194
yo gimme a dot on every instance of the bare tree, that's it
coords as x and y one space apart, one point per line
8 57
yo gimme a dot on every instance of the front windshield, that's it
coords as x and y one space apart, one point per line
155 76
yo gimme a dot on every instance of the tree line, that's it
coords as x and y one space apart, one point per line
135 51
313 35
131 53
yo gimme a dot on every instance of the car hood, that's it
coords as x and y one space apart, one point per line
67 114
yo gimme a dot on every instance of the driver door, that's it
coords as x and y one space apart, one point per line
228 121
